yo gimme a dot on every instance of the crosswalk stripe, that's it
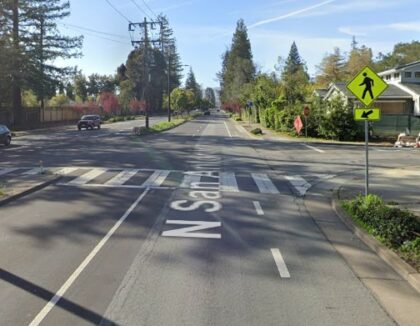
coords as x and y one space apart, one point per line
7 170
66 171
85 178
122 177
156 179
189 179
34 171
300 184
264 184
228 182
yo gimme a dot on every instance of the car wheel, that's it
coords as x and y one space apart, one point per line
7 141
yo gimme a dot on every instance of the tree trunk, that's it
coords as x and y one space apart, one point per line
16 77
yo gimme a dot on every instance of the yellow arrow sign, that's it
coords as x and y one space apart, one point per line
367 86
367 114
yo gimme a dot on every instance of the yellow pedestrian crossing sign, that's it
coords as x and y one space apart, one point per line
373 114
367 86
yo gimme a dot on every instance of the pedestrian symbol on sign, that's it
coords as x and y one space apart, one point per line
369 83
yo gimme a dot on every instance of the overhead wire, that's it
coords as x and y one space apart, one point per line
117 11
91 30
150 9
141 9
93 35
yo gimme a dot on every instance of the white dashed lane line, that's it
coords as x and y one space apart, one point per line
281 265
314 148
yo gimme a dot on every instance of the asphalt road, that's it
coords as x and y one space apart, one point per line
200 225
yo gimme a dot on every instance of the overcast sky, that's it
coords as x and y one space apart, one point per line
204 29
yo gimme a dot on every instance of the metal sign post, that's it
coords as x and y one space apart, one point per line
367 86
367 158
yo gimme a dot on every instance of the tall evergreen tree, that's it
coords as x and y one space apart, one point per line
45 44
295 79
171 54
191 84
238 68
210 96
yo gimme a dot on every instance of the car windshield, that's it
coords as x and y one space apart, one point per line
88 117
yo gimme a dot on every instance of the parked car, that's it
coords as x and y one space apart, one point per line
5 135
89 122
207 112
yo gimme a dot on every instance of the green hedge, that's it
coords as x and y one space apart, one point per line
396 228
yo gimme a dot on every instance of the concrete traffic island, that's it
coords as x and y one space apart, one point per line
22 186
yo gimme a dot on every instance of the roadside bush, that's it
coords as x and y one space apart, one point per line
256 131
338 122
391 225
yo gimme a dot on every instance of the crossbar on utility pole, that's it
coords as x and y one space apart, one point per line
146 41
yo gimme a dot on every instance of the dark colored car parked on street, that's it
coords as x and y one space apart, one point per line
89 122
5 135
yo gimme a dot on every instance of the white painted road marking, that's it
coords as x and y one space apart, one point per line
189 180
300 184
122 177
227 128
66 171
60 293
34 171
186 232
228 182
264 183
258 208
314 148
156 179
281 265
7 170
85 178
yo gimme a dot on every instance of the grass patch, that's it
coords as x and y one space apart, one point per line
397 229
159 127
2 190
120 118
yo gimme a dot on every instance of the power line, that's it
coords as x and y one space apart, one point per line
141 9
148 7
97 36
119 12
91 30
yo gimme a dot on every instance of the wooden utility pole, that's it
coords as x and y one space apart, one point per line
146 41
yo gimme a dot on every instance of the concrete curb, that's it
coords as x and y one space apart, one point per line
28 191
403 269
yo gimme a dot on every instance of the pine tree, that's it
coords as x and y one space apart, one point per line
45 45
238 68
171 54
295 79
210 96
192 85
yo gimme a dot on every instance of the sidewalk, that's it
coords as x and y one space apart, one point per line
400 299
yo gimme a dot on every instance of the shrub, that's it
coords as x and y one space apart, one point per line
392 225
256 131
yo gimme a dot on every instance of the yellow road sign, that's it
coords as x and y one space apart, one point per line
367 114
367 86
